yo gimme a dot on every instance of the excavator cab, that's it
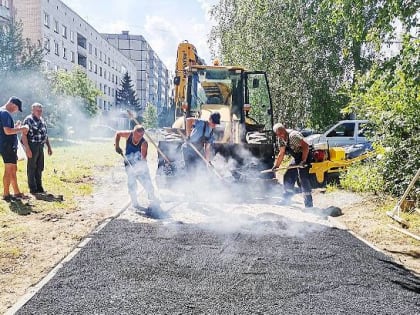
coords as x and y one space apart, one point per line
243 100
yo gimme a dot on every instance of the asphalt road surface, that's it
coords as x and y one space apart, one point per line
169 267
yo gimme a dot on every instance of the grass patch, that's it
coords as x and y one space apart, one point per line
68 172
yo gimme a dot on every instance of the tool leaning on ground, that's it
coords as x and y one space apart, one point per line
211 166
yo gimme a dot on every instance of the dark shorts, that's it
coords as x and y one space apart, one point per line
9 154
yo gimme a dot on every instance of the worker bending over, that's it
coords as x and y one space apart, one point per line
135 161
200 135
293 143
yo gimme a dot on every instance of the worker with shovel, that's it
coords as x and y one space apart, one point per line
293 143
199 140
135 161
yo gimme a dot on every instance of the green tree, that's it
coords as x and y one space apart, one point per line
16 53
77 85
311 50
303 65
389 95
150 117
126 95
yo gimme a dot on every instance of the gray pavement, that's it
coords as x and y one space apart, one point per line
159 267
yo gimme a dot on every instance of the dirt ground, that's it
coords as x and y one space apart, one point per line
48 238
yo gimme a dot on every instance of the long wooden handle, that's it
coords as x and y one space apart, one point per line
200 155
281 168
149 137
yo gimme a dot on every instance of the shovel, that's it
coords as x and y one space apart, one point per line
149 138
270 170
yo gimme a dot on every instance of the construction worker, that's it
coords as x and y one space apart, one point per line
293 143
135 161
200 135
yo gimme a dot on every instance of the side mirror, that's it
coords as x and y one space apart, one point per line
177 80
255 83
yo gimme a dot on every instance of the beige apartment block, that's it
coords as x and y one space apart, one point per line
152 75
70 41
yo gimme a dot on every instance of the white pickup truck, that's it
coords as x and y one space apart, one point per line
344 133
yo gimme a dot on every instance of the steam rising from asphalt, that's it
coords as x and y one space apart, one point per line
233 204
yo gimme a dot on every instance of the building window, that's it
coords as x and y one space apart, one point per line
64 52
72 36
100 55
96 52
72 56
81 40
90 65
64 31
47 44
104 58
90 48
104 73
109 61
81 60
100 71
96 68
56 48
46 20
56 26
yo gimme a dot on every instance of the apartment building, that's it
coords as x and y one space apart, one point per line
69 41
152 75
6 10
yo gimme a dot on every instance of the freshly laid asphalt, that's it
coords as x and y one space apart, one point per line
173 268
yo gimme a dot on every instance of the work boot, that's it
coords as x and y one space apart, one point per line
308 201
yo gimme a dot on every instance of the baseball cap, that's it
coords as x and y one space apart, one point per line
16 101
215 118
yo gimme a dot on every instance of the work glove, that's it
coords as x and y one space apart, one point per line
119 150
303 164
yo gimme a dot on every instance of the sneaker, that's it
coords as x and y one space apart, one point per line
8 198
21 196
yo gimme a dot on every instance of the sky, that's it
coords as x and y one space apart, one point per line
163 23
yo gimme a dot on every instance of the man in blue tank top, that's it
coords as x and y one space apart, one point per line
135 161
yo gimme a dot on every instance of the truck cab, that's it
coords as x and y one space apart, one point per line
343 133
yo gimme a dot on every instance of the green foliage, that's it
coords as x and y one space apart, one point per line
303 63
389 96
17 54
311 50
126 95
365 177
76 84
150 117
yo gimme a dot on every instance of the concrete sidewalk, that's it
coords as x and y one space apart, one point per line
172 268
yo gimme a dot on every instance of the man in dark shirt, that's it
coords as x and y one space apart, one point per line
8 146
200 135
34 146
292 142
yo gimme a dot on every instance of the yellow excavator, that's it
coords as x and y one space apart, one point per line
242 97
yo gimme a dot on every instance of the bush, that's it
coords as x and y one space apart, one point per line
363 177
